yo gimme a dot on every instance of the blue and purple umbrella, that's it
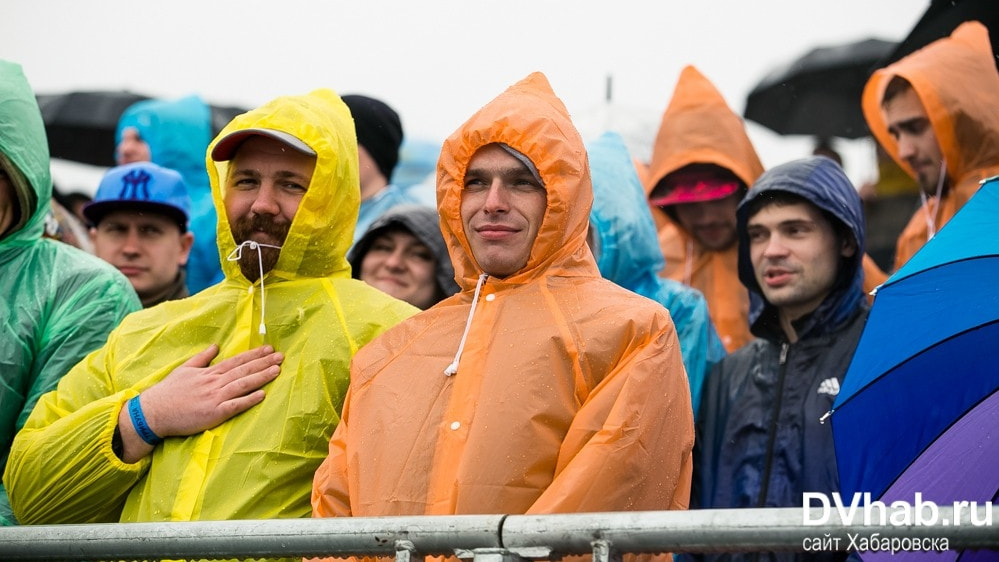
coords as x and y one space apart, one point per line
925 365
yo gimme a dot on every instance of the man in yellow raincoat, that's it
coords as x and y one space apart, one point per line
156 425
541 387
936 112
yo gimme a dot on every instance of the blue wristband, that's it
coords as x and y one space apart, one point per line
139 422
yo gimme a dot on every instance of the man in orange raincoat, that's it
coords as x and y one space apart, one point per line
541 387
936 112
702 164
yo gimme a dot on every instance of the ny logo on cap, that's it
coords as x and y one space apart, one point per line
135 185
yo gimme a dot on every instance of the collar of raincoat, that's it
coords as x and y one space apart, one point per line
323 227
23 142
699 127
529 118
957 82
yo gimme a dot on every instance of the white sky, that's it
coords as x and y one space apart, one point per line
438 61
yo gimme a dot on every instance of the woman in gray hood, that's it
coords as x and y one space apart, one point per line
403 254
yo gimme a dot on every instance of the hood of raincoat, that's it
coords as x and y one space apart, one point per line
177 132
556 149
957 82
24 154
822 182
423 223
699 127
323 227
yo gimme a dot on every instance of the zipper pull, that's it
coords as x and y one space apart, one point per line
783 352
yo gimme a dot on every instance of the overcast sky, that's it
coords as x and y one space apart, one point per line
438 61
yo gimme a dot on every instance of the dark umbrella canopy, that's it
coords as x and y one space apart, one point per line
81 125
940 19
819 93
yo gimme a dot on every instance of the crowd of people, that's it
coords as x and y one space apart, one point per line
261 325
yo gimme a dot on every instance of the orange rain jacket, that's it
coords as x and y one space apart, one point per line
957 82
699 127
570 393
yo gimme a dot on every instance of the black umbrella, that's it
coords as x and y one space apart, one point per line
941 18
819 93
81 125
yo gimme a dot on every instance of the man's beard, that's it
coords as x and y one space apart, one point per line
243 229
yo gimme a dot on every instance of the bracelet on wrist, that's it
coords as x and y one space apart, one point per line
140 424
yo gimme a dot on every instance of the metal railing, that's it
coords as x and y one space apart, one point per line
502 538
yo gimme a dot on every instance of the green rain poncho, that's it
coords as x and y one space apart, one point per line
256 465
58 303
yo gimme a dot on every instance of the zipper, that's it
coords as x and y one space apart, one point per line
772 435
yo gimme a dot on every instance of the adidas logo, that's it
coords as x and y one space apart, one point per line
830 387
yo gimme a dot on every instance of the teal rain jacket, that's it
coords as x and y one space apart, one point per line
59 303
628 253
260 463
177 132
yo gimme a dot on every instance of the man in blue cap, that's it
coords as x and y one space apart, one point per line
139 225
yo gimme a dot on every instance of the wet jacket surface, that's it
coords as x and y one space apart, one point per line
957 82
59 303
177 132
258 464
628 254
760 442
569 394
699 127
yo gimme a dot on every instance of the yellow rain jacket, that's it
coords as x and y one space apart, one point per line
260 463
699 127
570 394
957 82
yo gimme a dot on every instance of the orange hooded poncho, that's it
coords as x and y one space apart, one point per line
699 127
570 394
957 82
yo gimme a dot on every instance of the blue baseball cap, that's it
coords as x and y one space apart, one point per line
141 186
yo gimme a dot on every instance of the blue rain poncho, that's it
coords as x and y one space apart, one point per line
627 249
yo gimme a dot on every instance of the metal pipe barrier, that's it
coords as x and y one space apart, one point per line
499 538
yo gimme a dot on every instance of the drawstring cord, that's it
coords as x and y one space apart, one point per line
452 369
237 255
931 221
